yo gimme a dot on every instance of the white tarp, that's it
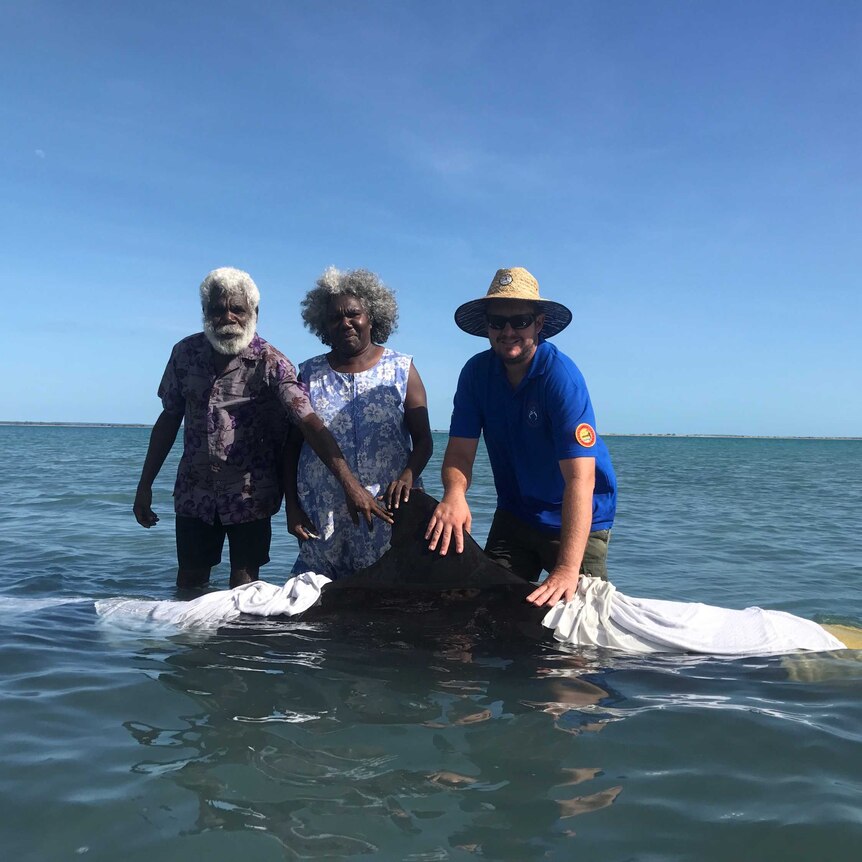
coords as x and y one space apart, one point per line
600 615
259 599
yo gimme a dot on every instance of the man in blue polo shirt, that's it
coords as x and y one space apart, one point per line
556 489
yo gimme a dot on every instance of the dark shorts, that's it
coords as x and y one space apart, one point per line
199 544
526 550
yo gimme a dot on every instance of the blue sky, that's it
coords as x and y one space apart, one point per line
684 175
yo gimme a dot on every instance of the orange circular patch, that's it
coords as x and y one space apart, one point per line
585 435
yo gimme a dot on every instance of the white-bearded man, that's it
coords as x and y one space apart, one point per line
236 395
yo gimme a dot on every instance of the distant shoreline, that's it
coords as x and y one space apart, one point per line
76 424
443 431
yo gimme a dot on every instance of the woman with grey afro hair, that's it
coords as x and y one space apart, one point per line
377 299
373 401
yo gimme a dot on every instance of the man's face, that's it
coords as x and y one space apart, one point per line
229 323
513 330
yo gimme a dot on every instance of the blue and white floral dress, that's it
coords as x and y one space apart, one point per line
365 413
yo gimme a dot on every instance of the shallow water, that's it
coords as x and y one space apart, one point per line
407 738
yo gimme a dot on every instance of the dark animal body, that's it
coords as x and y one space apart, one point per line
466 589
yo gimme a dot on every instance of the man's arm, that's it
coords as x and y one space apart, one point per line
161 440
298 523
359 501
577 518
452 515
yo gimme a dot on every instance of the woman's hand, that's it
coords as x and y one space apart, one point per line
398 491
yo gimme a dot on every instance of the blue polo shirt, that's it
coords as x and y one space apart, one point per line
529 430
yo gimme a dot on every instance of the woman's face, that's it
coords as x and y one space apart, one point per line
348 325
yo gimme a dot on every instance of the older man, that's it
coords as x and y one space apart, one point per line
236 394
556 489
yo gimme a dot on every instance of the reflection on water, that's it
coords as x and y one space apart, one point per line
421 741
425 750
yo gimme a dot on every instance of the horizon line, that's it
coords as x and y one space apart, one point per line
37 424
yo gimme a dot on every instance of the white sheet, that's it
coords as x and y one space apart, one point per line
600 615
259 598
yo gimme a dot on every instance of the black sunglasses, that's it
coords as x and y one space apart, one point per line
516 321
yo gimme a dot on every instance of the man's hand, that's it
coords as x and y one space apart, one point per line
361 503
299 524
161 439
560 585
451 519
144 515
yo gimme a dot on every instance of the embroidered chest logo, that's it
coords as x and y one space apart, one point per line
585 435
533 415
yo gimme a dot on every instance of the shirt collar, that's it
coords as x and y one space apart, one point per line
542 357
254 349
251 353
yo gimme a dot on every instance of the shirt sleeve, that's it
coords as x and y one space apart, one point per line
573 422
291 391
170 388
466 409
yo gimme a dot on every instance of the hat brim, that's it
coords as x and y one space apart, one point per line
472 316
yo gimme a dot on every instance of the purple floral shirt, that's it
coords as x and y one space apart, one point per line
235 422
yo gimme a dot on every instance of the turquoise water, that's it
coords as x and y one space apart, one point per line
327 741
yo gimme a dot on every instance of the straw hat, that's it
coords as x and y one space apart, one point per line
512 283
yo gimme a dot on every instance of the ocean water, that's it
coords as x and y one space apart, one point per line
393 740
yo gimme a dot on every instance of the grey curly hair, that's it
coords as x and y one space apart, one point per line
230 282
376 298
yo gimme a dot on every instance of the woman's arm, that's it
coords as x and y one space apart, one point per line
419 428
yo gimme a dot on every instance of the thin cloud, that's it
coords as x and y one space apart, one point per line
472 167
39 153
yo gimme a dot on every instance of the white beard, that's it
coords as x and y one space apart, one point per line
230 340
